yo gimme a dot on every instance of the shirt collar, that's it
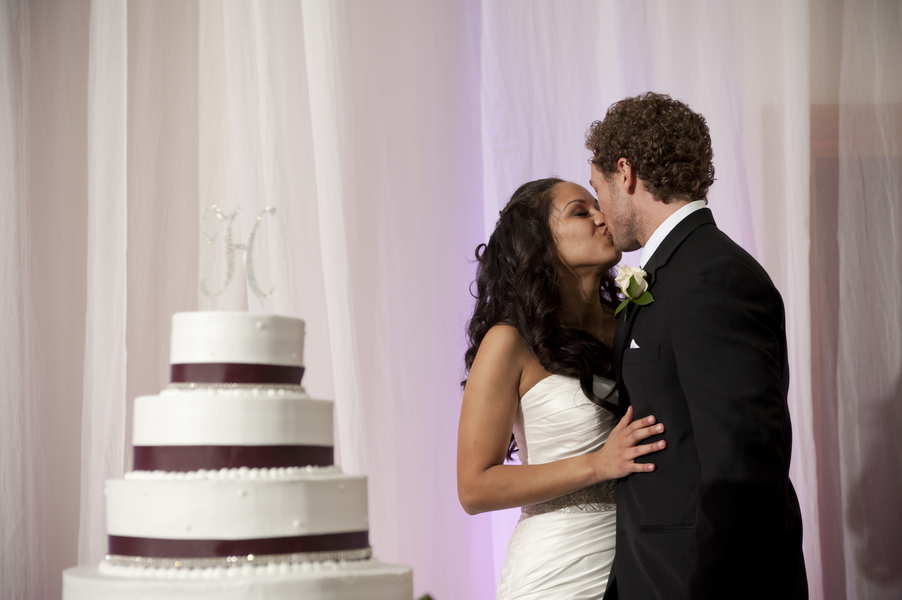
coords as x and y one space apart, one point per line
666 227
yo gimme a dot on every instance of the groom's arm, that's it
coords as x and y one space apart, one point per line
730 352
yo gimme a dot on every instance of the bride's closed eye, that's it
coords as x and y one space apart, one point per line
582 212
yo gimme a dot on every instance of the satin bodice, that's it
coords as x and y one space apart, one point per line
562 548
556 420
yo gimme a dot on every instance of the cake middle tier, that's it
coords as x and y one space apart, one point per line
188 430
196 518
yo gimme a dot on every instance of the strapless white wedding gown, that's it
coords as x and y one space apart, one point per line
562 548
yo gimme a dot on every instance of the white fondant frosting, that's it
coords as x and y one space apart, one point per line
334 582
236 509
231 418
236 337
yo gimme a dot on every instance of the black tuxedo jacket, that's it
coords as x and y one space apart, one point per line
718 518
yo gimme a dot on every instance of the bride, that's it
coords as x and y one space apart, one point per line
538 366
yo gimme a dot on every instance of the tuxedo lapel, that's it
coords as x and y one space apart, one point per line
619 343
625 324
621 340
658 260
650 269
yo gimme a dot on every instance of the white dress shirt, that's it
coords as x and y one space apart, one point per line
666 227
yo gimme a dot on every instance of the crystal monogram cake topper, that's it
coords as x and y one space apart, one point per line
230 246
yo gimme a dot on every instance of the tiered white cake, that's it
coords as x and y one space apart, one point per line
234 492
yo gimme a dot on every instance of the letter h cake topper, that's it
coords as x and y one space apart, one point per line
230 246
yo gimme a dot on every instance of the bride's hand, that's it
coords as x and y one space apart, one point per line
617 457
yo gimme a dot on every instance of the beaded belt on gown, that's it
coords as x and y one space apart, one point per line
595 498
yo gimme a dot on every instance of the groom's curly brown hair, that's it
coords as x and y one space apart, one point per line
666 143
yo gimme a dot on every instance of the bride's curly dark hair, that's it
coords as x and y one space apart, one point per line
518 283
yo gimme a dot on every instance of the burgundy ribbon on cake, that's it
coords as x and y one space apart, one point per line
193 458
235 373
164 548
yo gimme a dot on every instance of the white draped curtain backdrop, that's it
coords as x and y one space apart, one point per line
387 135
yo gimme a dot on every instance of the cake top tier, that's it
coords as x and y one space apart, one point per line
221 337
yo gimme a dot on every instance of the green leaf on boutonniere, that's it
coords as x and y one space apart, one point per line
645 298
621 307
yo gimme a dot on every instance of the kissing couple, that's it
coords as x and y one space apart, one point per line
650 418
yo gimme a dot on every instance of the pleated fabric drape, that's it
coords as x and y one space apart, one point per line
867 302
384 138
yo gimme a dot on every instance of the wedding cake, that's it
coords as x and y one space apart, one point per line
234 493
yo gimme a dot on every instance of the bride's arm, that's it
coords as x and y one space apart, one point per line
490 401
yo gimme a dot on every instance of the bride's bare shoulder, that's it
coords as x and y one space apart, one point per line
503 338
504 347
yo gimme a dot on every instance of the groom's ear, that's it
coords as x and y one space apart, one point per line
626 177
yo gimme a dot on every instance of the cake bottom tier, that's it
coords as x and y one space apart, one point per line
383 582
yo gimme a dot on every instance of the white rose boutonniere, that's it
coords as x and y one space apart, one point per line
633 285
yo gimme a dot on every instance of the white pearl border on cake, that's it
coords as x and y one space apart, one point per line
271 389
241 473
205 568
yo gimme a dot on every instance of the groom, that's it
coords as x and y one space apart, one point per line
718 518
